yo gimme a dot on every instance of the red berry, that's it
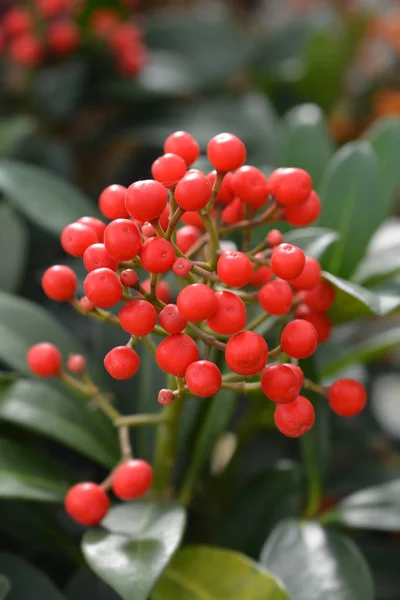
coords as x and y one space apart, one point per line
321 297
193 191
125 37
225 194
112 202
44 360
230 316
157 255
168 169
129 278
171 320
76 237
280 384
165 397
197 302
309 277
246 353
85 304
52 8
304 214
184 145
251 186
132 60
298 372
146 200
296 418
299 339
103 288
193 218
26 50
234 268
122 362
176 353
347 397
322 323
186 237
103 22
132 479
98 226
122 239
97 257
287 261
17 22
62 37
138 317
76 363
148 230
226 152
181 267
203 378
274 237
233 213
87 503
290 187
59 283
163 291
275 297
261 274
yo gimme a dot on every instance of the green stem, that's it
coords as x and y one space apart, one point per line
310 461
139 420
91 391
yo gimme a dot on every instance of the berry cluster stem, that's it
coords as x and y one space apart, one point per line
89 390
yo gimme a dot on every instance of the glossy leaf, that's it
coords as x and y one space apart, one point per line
353 301
209 573
368 350
376 507
55 414
305 141
134 546
84 584
13 132
44 198
27 581
5 587
349 191
378 267
316 563
314 241
28 475
384 137
13 235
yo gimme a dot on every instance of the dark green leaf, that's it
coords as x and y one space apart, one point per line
376 507
13 131
305 141
5 587
353 301
208 573
27 582
134 546
379 266
53 413
28 475
13 248
350 190
84 584
314 241
317 564
384 137
45 198
366 351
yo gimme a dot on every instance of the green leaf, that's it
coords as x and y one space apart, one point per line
134 546
26 474
5 587
314 241
351 205
315 563
368 350
27 581
353 301
376 507
384 137
44 198
84 584
208 573
13 235
53 413
378 267
305 141
13 131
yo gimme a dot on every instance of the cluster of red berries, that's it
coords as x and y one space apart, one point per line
175 222
48 28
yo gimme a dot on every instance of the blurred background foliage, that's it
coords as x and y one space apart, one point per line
295 80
